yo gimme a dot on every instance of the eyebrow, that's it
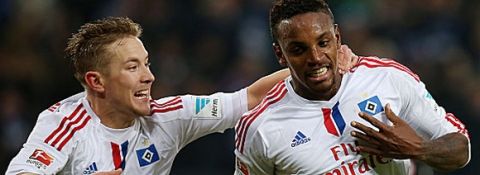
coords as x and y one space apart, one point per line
135 59
294 42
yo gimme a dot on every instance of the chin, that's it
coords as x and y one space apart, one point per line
143 111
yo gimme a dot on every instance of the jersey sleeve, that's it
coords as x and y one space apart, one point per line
423 114
253 158
37 156
202 115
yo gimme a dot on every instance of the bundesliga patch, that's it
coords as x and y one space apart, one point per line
371 106
147 156
207 108
40 159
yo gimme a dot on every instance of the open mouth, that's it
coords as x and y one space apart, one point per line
143 94
319 72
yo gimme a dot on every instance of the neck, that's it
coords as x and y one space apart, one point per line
109 114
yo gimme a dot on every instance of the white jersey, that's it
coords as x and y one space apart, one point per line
288 134
69 139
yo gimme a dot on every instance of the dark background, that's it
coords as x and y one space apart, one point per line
204 46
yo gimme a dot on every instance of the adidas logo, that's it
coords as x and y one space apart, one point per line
299 139
91 169
200 104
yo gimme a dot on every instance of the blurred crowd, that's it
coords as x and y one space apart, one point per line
204 46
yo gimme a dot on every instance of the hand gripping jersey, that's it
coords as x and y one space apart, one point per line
287 134
69 139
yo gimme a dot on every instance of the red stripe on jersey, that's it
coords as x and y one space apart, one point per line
283 93
457 123
54 107
249 119
171 105
241 124
117 160
169 102
67 128
374 63
167 109
328 121
60 126
73 132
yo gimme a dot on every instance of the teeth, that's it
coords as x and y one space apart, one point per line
319 72
141 94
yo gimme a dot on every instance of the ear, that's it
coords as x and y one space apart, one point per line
337 35
278 52
94 81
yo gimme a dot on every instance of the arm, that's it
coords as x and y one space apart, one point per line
258 90
114 172
446 153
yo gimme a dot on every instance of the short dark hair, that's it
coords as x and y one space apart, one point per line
87 47
285 9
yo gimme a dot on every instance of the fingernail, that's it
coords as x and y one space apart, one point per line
353 133
353 123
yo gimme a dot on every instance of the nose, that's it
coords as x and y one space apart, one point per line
316 55
147 76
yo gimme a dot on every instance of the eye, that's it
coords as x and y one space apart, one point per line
132 68
297 50
323 43
148 64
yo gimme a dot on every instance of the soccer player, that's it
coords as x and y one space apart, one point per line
310 123
114 124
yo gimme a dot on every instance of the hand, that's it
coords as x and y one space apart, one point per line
115 172
398 141
346 59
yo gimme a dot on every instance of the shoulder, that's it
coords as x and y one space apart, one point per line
374 66
255 120
62 110
58 127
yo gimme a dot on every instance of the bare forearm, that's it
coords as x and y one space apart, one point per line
446 153
259 89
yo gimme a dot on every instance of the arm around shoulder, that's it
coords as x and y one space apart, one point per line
259 89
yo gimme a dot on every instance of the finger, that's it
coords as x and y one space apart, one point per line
117 172
365 129
370 132
374 121
391 115
365 138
